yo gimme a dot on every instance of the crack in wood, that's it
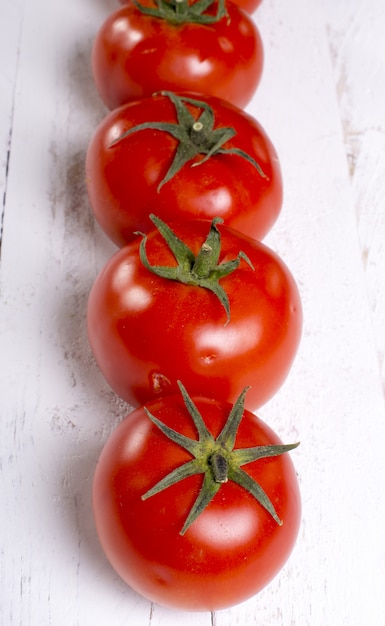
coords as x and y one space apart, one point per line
4 201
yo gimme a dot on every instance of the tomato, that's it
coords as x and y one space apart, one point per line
135 54
148 490
247 5
126 178
234 320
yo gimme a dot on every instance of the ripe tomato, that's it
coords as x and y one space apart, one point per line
135 54
148 480
126 178
222 328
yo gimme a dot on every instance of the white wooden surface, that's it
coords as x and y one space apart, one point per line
322 102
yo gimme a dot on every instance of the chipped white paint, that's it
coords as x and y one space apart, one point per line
356 33
321 100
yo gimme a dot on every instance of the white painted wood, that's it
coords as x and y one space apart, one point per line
10 28
321 102
352 30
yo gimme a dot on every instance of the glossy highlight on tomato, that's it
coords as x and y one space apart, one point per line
125 177
232 549
148 332
135 55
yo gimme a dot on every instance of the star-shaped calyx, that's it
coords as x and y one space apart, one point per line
216 459
201 270
196 136
184 11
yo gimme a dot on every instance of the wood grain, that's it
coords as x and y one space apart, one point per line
352 31
321 101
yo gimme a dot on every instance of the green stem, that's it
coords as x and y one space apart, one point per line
219 467
195 136
201 270
216 459
183 12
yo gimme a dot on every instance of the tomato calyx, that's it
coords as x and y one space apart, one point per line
196 136
216 459
201 270
182 12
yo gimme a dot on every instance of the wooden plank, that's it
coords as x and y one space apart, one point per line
56 411
10 32
334 386
359 67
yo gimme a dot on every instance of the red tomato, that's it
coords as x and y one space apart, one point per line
248 5
125 179
147 331
135 55
235 546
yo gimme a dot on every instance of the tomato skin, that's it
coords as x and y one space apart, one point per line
248 5
231 551
147 332
123 179
135 55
